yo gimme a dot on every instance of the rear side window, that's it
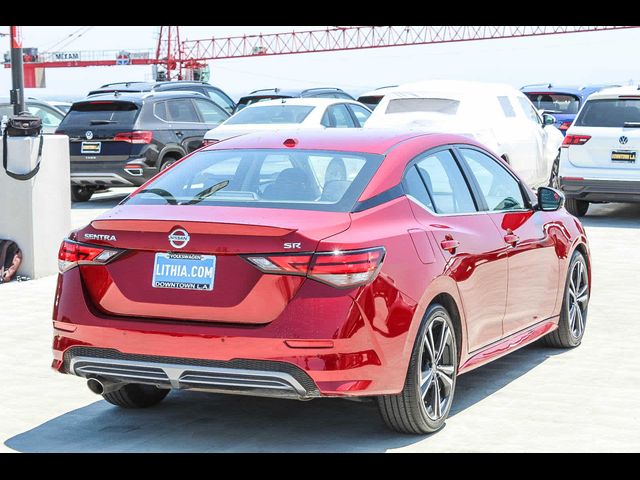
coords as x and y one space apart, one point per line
49 117
225 102
555 102
436 105
506 106
528 110
182 110
101 113
271 114
609 113
274 178
338 116
415 187
446 185
210 112
361 113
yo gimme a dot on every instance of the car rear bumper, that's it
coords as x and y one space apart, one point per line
601 190
312 349
238 376
132 172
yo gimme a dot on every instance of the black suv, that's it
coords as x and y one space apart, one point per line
275 93
123 139
214 93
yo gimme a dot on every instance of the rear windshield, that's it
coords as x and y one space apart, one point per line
246 101
370 101
411 105
609 113
288 179
555 102
271 114
101 113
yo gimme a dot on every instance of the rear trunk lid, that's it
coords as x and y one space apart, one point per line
610 148
614 127
92 126
218 236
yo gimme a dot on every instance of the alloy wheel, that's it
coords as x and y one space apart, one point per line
578 299
437 368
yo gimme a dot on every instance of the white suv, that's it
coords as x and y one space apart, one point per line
598 156
497 115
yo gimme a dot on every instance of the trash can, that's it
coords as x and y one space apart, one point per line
35 203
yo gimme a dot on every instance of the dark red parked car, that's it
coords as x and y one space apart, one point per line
308 264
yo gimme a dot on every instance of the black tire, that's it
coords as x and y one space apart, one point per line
167 161
136 395
567 335
575 207
554 178
406 412
81 194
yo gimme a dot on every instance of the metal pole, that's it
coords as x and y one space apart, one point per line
17 73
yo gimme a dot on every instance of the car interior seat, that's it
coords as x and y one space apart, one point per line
335 181
290 184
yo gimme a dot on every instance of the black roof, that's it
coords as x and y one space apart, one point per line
140 97
293 92
138 86
148 86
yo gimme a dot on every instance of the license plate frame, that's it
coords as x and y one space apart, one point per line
90 148
175 271
623 156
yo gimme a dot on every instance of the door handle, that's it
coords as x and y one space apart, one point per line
449 244
512 239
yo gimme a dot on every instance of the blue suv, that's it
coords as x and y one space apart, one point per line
561 101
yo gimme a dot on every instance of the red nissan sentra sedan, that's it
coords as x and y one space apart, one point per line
310 264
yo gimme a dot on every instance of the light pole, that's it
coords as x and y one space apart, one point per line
17 72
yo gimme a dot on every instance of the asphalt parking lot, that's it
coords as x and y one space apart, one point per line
536 399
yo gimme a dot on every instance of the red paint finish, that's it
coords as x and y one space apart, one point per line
533 267
504 272
513 342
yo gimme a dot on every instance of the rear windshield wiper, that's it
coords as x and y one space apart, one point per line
631 125
101 122
161 192
207 192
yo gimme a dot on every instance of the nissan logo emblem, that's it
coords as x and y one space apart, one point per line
88 134
623 140
179 238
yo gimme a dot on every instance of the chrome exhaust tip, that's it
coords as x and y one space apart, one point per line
100 387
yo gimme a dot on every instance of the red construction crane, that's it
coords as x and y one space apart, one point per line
174 59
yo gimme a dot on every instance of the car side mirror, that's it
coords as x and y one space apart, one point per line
548 119
550 199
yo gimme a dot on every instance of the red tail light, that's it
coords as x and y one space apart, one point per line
564 126
72 254
575 140
342 269
209 141
139 136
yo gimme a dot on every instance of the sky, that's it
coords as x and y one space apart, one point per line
578 59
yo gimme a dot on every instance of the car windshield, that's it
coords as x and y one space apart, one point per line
100 113
411 105
273 178
271 114
609 113
555 102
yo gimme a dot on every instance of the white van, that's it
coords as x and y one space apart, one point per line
498 116
599 160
